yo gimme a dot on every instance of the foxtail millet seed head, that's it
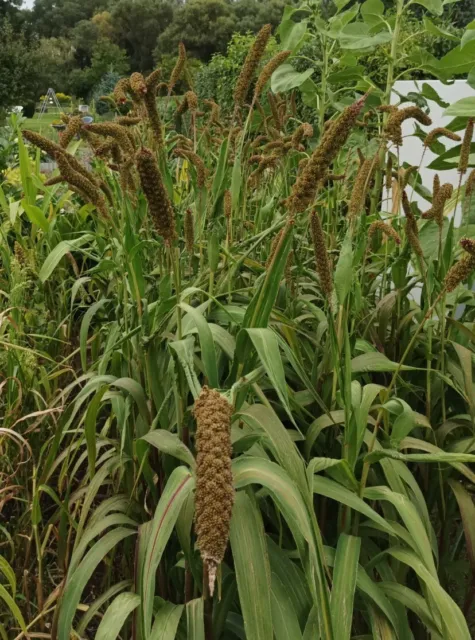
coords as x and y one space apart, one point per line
386 229
435 186
127 121
361 186
393 129
439 132
465 148
227 204
178 68
155 122
412 230
268 70
214 495
389 173
72 129
305 130
459 272
468 244
322 260
80 183
116 131
189 231
120 91
250 65
307 183
470 184
152 80
160 207
436 212
137 84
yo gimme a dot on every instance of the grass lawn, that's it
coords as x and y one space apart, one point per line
43 125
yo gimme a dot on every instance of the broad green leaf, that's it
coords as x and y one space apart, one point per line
170 444
375 361
115 616
413 601
467 511
166 622
61 249
267 346
249 549
90 428
405 421
464 107
437 30
184 350
76 582
359 36
452 618
208 351
344 585
292 576
262 418
195 619
434 6
178 487
35 215
331 489
292 35
284 617
11 604
84 330
457 61
411 519
286 78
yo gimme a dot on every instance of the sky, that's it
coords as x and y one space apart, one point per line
28 3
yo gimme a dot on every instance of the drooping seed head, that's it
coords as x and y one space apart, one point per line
465 148
268 70
160 207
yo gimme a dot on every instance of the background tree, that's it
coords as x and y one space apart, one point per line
137 26
18 66
251 15
204 26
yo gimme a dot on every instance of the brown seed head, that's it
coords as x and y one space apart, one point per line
470 184
116 131
81 184
120 90
412 230
73 128
459 272
152 80
250 65
214 496
178 68
468 244
227 204
387 229
155 122
189 229
465 148
160 208
268 70
393 127
307 183
436 212
137 84
305 130
439 132
360 187
127 121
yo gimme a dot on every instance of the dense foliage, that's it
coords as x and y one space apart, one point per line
236 359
